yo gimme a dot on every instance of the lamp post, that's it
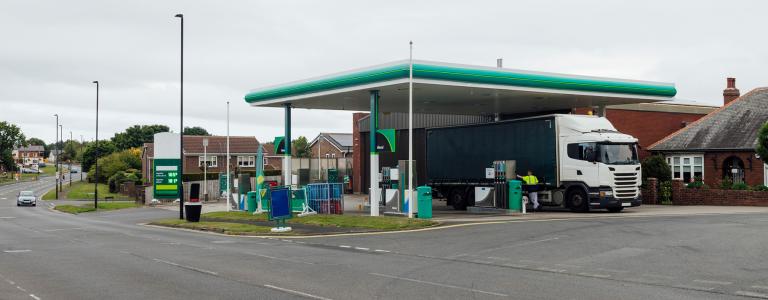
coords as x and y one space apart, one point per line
56 163
228 177
181 124
70 159
61 166
81 157
96 153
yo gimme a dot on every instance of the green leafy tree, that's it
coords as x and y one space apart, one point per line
10 137
301 147
113 163
656 166
197 130
89 154
137 135
762 143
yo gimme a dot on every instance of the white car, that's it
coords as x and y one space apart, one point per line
26 198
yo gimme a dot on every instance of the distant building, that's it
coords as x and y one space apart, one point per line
721 144
30 155
242 155
331 145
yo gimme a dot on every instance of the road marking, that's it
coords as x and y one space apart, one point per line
440 284
760 287
17 251
752 294
21 288
186 267
382 251
551 270
713 282
223 242
594 275
290 291
34 297
363 249
519 266
568 266
4 198
345 246
693 287
64 229
281 259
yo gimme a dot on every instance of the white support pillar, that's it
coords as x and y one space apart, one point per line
374 194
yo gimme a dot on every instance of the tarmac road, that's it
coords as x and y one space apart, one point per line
50 255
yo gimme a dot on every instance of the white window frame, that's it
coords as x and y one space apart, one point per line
679 160
212 161
244 161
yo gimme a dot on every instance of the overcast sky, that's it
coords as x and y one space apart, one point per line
50 51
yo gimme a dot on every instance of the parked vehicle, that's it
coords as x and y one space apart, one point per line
581 162
26 198
30 171
41 164
74 170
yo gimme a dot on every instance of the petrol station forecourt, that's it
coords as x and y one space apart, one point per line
456 89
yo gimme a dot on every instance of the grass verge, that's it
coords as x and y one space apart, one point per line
386 223
77 209
84 191
220 227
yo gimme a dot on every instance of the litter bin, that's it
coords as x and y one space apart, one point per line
424 198
251 202
193 212
516 195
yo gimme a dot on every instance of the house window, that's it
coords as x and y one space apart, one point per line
686 167
246 161
211 161
266 162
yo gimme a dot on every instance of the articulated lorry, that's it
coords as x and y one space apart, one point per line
582 162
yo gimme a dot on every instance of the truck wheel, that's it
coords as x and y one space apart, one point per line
615 209
578 201
459 199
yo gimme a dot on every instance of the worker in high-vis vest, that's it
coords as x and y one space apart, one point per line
532 186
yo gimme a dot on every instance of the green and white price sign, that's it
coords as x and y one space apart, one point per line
167 178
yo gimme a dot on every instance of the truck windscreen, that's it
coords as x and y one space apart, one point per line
618 154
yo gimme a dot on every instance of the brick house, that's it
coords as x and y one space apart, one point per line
242 155
30 155
333 145
721 144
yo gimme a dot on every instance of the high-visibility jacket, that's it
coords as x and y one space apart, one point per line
530 180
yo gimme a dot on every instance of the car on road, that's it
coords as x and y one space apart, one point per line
26 198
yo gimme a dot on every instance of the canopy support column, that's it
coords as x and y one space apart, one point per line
287 157
374 195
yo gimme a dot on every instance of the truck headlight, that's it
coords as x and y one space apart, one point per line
606 193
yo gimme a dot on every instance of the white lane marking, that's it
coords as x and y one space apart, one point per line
4 198
21 288
594 275
752 294
519 266
281 259
440 284
63 229
693 287
11 282
382 251
551 270
17 251
363 249
223 242
345 246
295 292
713 281
34 297
186 267
760 287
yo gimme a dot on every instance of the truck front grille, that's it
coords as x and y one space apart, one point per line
625 185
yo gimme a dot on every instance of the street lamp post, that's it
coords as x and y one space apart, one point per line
81 158
70 159
56 155
96 153
61 166
181 124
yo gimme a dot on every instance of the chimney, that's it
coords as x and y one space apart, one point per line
730 93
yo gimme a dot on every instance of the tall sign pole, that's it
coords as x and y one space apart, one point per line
57 156
410 133
229 207
181 124
96 153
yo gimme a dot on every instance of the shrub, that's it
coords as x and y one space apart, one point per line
666 192
760 187
740 186
726 183
656 167
762 142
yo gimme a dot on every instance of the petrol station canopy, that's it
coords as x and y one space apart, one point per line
458 89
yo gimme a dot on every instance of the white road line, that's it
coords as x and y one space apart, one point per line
693 287
752 294
282 259
551 270
363 249
186 267
295 292
519 266
382 251
345 246
594 275
17 251
440 284
713 281
223 242
21 288
34 297
63 229
760 287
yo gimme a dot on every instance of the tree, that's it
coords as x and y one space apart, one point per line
656 166
197 130
137 135
122 161
35 142
105 148
762 143
10 137
301 147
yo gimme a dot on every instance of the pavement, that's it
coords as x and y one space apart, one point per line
714 254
